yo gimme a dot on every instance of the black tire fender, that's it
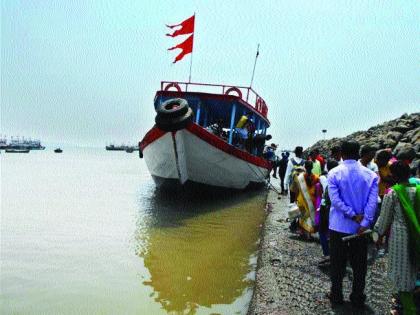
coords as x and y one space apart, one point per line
174 123
174 107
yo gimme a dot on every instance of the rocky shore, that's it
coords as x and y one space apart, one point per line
399 134
289 281
288 278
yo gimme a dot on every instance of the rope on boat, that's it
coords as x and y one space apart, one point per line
264 178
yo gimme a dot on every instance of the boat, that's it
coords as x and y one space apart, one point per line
17 150
182 148
113 147
58 150
20 144
122 147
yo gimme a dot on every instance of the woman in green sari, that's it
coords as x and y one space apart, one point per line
401 211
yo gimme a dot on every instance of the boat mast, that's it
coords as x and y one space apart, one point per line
255 63
192 51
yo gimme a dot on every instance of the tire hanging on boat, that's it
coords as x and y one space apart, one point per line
174 107
174 123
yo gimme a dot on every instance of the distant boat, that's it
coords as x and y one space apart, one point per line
122 147
20 144
58 150
112 147
17 150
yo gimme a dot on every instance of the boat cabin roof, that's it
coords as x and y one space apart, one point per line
218 99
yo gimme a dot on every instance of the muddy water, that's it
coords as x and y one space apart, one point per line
87 232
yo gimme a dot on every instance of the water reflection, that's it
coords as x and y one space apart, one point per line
197 246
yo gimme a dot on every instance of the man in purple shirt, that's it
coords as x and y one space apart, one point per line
353 190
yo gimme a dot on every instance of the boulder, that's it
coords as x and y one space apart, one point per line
403 148
401 128
394 135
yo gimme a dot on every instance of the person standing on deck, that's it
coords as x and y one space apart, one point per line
294 162
259 143
353 191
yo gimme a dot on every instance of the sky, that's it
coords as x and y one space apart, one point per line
86 72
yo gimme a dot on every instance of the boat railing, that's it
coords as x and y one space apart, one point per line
246 93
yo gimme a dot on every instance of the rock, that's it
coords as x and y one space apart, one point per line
403 148
401 128
412 136
387 143
405 129
394 135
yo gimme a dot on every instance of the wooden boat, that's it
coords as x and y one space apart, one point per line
182 147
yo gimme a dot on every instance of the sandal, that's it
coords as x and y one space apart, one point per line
324 260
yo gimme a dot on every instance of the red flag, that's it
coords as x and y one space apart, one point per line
186 46
187 27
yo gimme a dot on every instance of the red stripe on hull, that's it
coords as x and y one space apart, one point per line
155 133
152 135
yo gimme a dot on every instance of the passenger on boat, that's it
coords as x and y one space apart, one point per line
216 128
250 126
270 152
242 136
259 143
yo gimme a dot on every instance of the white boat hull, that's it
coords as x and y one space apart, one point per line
184 156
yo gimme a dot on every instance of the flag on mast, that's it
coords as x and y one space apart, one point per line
186 27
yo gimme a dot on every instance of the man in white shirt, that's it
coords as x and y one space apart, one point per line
296 161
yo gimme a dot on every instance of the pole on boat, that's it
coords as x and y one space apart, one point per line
192 51
255 63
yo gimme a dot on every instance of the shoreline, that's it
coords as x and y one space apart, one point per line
289 281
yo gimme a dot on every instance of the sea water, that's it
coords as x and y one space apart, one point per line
87 232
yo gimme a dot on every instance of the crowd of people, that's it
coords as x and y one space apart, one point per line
354 194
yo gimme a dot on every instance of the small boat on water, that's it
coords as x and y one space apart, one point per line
182 147
58 150
113 147
17 150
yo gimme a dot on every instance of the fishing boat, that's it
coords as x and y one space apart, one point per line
183 148
113 147
17 150
58 150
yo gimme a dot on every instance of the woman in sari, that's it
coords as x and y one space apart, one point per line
308 199
401 211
